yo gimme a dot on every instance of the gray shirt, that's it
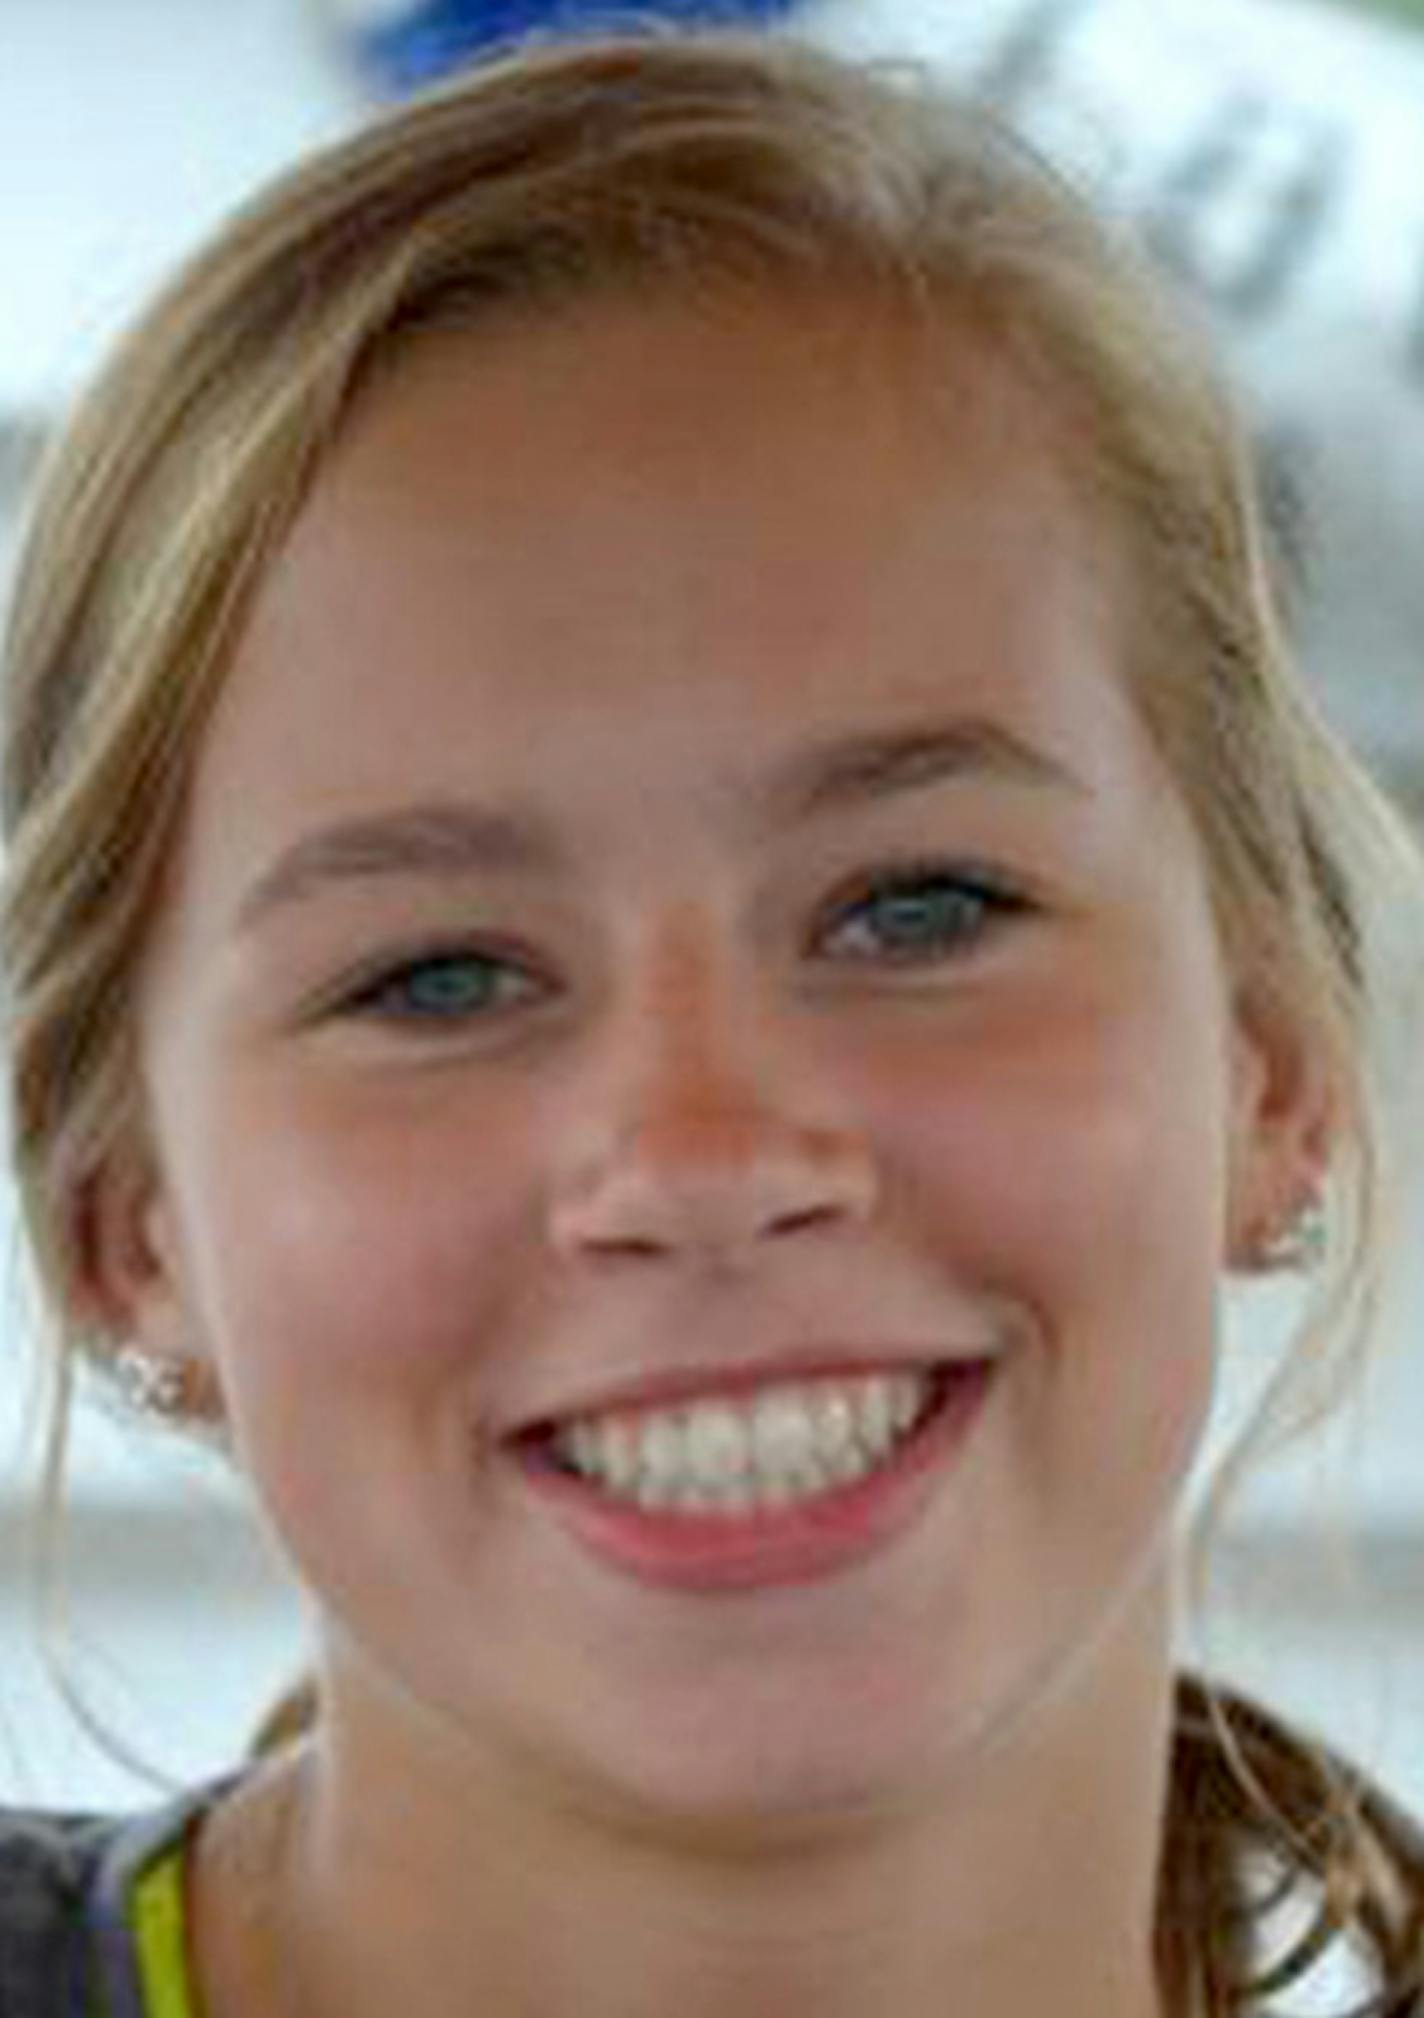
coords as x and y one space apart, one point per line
65 1946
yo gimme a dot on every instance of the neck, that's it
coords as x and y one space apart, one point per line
1033 1867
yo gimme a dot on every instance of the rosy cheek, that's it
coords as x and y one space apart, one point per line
341 1235
1055 1146
1054 1166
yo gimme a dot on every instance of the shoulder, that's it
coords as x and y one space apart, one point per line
47 1869
65 1883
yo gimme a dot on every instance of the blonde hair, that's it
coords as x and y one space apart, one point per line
701 163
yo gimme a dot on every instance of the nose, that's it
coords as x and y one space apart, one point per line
704 1151
713 1184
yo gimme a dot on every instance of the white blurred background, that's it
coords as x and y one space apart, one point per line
1274 149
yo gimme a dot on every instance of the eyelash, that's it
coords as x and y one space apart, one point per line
994 901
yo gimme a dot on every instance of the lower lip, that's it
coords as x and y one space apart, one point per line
769 1546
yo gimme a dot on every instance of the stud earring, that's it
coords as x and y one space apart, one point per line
150 1386
1298 1246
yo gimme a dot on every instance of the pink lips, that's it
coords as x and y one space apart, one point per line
768 1547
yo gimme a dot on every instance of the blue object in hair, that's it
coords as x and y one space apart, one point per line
433 37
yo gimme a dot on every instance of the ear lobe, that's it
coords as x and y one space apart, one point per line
1284 1121
126 1279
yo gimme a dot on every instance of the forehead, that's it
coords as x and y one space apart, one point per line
716 518
652 387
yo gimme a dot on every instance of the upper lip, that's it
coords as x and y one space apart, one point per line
668 1385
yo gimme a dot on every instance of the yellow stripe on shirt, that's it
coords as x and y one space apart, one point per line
158 1923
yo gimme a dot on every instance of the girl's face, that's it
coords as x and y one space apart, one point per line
675 890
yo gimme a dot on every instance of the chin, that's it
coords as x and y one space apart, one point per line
770 1772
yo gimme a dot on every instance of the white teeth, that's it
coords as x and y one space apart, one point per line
661 1449
786 1443
876 1416
717 1446
835 1417
615 1451
907 1396
583 1446
783 1435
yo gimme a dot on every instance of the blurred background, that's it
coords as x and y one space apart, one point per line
1273 152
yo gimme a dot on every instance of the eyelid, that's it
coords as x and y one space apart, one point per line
972 871
355 994
999 890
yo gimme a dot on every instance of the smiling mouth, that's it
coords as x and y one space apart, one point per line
788 1443
644 1508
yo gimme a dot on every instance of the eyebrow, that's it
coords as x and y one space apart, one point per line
454 838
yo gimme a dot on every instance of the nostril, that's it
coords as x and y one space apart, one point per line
796 1222
630 1246
662 1197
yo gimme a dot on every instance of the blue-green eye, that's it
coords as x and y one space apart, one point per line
926 913
912 916
437 987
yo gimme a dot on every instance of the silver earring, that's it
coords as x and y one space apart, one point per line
1300 1245
149 1385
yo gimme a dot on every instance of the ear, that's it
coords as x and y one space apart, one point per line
127 1279
1286 1113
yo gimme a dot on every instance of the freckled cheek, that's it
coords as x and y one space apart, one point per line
1060 1177
1075 1167
352 1240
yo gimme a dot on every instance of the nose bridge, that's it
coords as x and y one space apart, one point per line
701 1125
699 1037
